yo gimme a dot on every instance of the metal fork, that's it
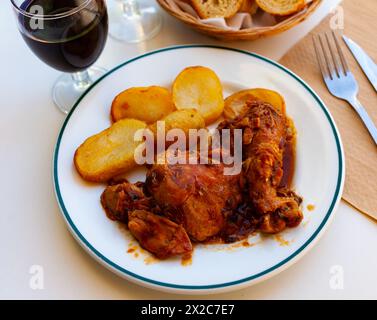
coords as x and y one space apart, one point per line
338 78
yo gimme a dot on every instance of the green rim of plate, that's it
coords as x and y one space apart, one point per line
121 270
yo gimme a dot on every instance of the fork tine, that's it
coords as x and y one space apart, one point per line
333 55
330 67
320 59
341 55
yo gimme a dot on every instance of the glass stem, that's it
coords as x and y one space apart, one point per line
81 80
130 8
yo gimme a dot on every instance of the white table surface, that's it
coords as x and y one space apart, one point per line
32 231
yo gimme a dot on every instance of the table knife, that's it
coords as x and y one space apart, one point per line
366 63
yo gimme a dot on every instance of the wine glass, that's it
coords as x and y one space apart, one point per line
133 21
68 35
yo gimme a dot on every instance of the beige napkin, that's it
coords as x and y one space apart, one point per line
361 152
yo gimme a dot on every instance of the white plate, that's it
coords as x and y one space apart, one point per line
319 173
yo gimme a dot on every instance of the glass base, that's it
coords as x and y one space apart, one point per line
66 91
135 26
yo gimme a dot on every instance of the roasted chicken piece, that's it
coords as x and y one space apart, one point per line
264 137
159 235
200 197
120 199
127 203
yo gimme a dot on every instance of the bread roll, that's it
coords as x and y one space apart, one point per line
216 8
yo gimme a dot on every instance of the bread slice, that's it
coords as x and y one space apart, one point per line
281 7
216 8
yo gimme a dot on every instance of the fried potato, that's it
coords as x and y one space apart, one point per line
281 7
199 88
235 103
148 104
108 153
181 119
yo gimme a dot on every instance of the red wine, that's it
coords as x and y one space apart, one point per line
72 42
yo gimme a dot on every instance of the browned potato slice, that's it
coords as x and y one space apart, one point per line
108 153
181 119
281 7
148 104
199 88
235 103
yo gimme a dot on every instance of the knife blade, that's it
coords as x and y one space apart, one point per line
366 63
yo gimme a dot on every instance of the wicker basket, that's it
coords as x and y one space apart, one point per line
244 34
